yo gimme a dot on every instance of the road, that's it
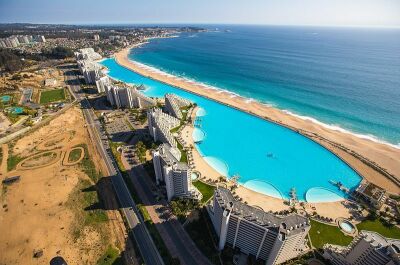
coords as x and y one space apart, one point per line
171 230
146 246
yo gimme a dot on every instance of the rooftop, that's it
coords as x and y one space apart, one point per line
288 223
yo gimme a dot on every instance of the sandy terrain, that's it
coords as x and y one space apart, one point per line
357 152
30 79
40 212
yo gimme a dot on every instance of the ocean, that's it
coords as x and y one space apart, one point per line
345 78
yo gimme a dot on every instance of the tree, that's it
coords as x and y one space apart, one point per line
10 61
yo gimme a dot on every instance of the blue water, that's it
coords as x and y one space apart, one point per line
238 143
344 77
5 98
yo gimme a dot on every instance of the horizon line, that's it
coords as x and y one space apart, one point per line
201 23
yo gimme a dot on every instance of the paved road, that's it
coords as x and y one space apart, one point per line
135 222
171 229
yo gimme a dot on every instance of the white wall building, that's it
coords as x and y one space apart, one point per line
255 232
87 54
101 83
90 69
127 97
175 174
368 248
160 125
174 103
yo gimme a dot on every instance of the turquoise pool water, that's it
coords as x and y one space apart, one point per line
198 135
5 98
269 158
347 227
15 110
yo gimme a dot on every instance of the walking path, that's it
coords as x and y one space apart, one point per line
3 169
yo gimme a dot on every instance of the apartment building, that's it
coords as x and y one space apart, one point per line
255 232
175 174
174 103
127 97
368 248
160 126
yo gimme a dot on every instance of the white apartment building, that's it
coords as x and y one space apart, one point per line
40 38
90 70
368 248
101 83
174 103
127 97
175 174
255 232
160 125
87 54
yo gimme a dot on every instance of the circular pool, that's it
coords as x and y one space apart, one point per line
195 175
347 227
201 112
198 135
5 98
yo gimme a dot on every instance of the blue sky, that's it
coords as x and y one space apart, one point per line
275 12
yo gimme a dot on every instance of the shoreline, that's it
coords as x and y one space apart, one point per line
371 159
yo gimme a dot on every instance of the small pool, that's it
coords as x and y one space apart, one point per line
195 175
347 227
5 98
198 135
15 110
201 112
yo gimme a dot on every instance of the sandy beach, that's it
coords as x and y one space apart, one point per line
377 162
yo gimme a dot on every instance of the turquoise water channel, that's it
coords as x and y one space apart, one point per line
269 158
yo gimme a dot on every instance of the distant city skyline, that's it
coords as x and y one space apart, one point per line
365 13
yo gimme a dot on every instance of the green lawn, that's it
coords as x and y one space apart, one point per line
111 257
52 95
13 161
205 189
88 166
74 155
321 234
379 227
183 152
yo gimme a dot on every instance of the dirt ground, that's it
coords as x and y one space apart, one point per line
41 211
30 79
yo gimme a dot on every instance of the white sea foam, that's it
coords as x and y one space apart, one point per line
249 100
335 127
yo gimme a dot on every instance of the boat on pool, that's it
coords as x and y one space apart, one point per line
237 142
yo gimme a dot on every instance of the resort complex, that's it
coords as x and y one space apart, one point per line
174 174
160 125
256 232
90 69
173 105
131 164
368 248
127 97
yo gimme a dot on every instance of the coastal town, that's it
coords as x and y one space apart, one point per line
121 171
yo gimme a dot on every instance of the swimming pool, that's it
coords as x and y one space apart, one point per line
15 110
347 227
270 158
5 98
